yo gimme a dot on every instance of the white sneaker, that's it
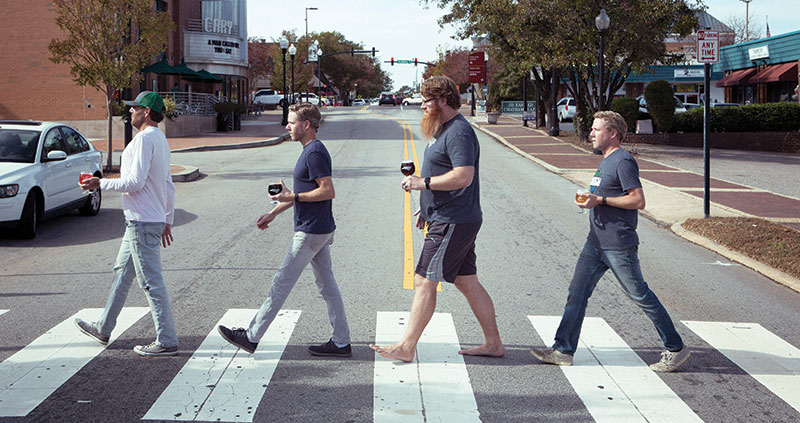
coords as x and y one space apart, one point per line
670 361
154 349
552 356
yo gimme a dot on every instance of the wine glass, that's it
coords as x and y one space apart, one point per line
407 167
582 196
274 189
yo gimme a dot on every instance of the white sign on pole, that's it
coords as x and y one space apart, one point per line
707 46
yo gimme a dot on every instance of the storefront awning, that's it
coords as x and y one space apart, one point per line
739 77
776 73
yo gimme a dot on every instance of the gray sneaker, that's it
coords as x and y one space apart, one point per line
90 330
552 356
670 361
154 349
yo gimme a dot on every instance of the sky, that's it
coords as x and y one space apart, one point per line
405 29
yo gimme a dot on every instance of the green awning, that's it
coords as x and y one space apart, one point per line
186 71
161 67
205 75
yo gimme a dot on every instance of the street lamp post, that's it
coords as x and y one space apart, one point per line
601 22
292 52
319 73
284 45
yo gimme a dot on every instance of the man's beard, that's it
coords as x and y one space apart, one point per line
432 122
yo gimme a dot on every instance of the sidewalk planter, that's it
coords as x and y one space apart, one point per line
491 117
780 142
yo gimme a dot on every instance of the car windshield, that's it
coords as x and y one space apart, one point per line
18 145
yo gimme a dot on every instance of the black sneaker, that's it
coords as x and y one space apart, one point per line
330 349
91 331
238 337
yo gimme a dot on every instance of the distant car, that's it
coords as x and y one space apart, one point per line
690 106
415 99
268 97
40 164
725 105
360 102
566 108
386 99
679 108
309 98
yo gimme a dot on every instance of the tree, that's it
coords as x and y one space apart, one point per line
260 58
560 34
742 30
107 43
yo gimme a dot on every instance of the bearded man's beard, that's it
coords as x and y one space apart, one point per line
432 122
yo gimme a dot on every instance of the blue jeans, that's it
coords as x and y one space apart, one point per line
591 266
140 256
306 248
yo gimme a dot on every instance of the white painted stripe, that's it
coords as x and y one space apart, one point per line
221 382
433 388
766 357
29 376
3 311
612 381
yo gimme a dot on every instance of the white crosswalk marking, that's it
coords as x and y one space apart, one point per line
3 311
612 381
769 359
433 388
29 376
220 382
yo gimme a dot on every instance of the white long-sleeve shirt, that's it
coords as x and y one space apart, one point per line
145 181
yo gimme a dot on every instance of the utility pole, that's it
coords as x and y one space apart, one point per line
747 20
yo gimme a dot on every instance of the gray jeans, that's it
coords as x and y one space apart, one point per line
306 248
140 256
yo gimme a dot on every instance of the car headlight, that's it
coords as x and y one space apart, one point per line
8 190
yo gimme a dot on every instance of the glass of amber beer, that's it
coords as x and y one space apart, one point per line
581 196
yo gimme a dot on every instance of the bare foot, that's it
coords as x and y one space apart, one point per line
485 350
394 352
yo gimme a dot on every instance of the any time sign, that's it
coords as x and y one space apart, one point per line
707 46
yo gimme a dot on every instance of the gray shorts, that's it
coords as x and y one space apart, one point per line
448 251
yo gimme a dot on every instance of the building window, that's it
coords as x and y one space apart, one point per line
161 5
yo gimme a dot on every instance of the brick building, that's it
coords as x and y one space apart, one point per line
210 35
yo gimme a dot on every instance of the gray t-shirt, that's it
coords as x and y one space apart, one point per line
613 228
456 146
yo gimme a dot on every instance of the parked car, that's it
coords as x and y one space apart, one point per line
386 99
268 97
566 109
309 98
360 102
679 108
40 164
415 99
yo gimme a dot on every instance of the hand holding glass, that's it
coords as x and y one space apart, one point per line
407 167
582 196
274 189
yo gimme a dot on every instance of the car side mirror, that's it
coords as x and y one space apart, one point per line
56 155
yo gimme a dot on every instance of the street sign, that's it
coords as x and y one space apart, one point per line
516 106
707 46
476 68
404 61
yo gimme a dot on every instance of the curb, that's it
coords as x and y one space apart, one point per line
188 174
776 275
252 144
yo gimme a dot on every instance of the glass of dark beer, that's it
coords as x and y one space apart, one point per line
407 167
274 189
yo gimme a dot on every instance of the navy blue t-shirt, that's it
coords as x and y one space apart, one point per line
312 217
613 228
456 146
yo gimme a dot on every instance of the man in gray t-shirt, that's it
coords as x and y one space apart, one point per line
615 200
450 207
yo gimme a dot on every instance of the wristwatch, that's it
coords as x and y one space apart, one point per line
604 201
428 182
297 197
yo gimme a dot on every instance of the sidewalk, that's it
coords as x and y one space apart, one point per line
261 131
673 194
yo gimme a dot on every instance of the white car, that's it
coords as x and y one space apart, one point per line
40 164
360 102
566 108
679 108
268 97
415 99
309 98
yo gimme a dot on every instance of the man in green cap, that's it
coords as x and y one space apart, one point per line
148 198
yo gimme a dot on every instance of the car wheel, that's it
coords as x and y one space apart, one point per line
405 103
92 206
29 219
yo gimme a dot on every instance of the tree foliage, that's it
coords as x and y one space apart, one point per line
660 104
107 42
562 34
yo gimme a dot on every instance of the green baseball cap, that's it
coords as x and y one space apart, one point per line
148 99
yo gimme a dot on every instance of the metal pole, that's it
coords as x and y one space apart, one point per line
706 140
472 110
601 105
553 112
285 120
524 100
293 99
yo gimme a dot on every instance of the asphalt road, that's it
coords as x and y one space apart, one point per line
526 250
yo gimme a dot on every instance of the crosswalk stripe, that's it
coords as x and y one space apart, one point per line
433 388
769 359
30 375
220 382
612 381
3 311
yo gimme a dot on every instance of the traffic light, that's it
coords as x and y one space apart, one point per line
415 61
352 52
392 61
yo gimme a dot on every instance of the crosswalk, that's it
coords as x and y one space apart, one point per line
222 383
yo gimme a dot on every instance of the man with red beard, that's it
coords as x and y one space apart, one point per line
450 207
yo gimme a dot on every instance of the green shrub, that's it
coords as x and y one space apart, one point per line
660 104
768 117
628 108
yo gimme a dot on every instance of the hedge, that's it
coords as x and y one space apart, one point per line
628 108
767 117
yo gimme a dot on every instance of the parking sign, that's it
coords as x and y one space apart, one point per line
707 46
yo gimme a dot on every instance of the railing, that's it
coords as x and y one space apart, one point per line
192 103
